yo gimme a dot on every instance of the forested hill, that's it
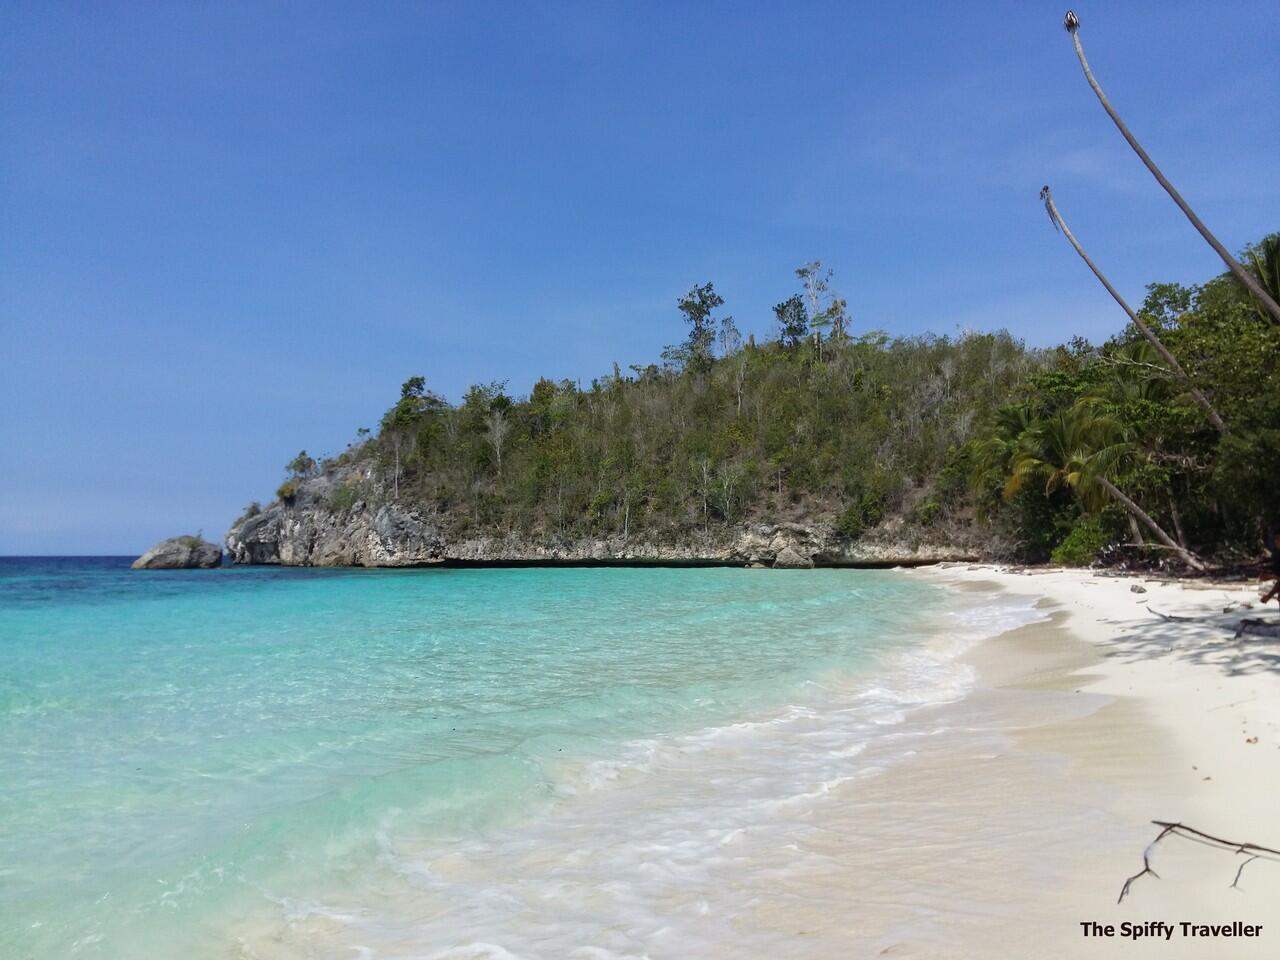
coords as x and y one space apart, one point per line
975 441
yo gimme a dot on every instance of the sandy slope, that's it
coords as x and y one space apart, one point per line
1178 720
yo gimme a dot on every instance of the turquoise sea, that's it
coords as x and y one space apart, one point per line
266 762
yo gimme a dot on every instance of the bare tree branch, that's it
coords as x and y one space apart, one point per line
1255 851
1175 618
1235 883
1046 195
1146 863
1072 24
1125 362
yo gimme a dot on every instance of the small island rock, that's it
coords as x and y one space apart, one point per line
180 553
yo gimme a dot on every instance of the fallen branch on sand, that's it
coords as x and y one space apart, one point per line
1171 616
1255 851
1258 628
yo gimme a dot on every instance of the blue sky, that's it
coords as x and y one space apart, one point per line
230 231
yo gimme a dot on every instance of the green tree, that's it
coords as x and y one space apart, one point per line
1265 260
793 321
730 338
301 467
817 295
697 306
993 454
407 426
1079 449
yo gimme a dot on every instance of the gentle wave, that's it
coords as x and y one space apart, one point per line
526 763
639 857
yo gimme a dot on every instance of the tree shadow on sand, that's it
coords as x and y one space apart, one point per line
1212 639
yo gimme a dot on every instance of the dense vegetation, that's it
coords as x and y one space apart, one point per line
1033 452
1107 446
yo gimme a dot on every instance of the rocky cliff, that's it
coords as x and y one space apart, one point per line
309 531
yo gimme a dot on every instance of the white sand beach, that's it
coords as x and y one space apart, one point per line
1133 703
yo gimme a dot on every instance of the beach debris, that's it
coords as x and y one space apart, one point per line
1175 617
1240 871
1256 627
1137 588
1170 828
1250 739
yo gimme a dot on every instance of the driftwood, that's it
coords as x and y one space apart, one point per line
1172 616
1255 627
1254 851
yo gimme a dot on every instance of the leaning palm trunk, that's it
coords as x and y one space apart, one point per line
1138 322
1072 24
1145 519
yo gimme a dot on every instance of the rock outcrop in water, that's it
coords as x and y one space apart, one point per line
180 553
309 531
789 558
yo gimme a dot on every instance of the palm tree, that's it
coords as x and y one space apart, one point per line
1072 24
1077 448
1136 374
993 454
1136 377
1196 394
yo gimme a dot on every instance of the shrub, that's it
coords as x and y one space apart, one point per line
252 510
868 499
599 503
952 484
1083 544
302 465
344 497
287 491
926 512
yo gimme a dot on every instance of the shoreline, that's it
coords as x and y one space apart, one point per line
1130 717
979 786
989 823
986 822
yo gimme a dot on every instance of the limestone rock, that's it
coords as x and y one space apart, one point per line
789 559
318 528
180 553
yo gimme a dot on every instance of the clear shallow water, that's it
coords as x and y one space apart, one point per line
264 762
